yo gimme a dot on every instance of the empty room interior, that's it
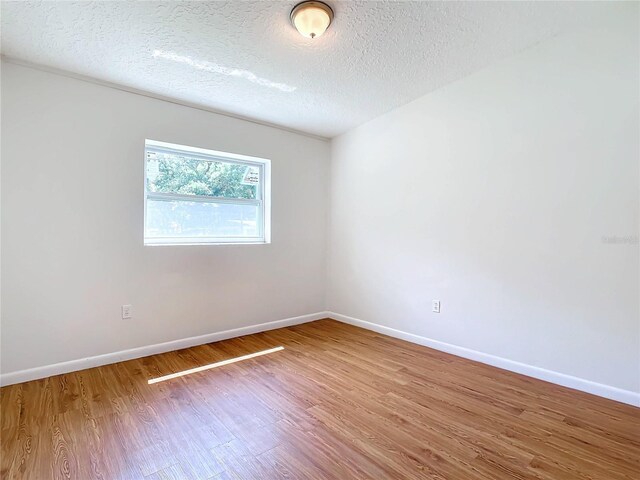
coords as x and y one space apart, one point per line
320 240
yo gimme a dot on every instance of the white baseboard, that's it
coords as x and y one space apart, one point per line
90 362
606 391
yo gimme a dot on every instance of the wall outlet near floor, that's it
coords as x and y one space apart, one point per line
126 311
435 306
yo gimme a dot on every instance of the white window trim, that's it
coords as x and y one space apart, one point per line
264 195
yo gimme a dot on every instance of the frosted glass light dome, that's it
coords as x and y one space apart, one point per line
311 19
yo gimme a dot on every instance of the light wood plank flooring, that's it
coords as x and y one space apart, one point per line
338 402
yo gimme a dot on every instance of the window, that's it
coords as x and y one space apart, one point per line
196 196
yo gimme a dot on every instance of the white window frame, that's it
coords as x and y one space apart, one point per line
263 196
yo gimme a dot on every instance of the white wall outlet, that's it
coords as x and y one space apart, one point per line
126 311
435 306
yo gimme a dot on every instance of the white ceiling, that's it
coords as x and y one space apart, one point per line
244 57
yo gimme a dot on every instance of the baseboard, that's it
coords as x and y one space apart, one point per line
602 390
90 362
606 391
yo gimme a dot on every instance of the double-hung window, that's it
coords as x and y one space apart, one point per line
197 196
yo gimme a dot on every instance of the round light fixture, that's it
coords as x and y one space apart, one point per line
311 19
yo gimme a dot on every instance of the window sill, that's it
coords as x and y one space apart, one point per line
196 244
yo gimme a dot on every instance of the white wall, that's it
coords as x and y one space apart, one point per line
72 225
493 195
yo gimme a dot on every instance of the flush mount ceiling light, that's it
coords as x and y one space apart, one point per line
311 19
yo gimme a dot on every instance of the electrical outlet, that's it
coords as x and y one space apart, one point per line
126 311
435 306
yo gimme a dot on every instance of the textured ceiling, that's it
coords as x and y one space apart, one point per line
243 57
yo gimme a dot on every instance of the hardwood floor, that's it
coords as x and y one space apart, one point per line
338 402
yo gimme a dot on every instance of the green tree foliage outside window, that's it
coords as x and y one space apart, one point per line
170 173
185 175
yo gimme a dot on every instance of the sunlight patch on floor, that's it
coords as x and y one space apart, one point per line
214 365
